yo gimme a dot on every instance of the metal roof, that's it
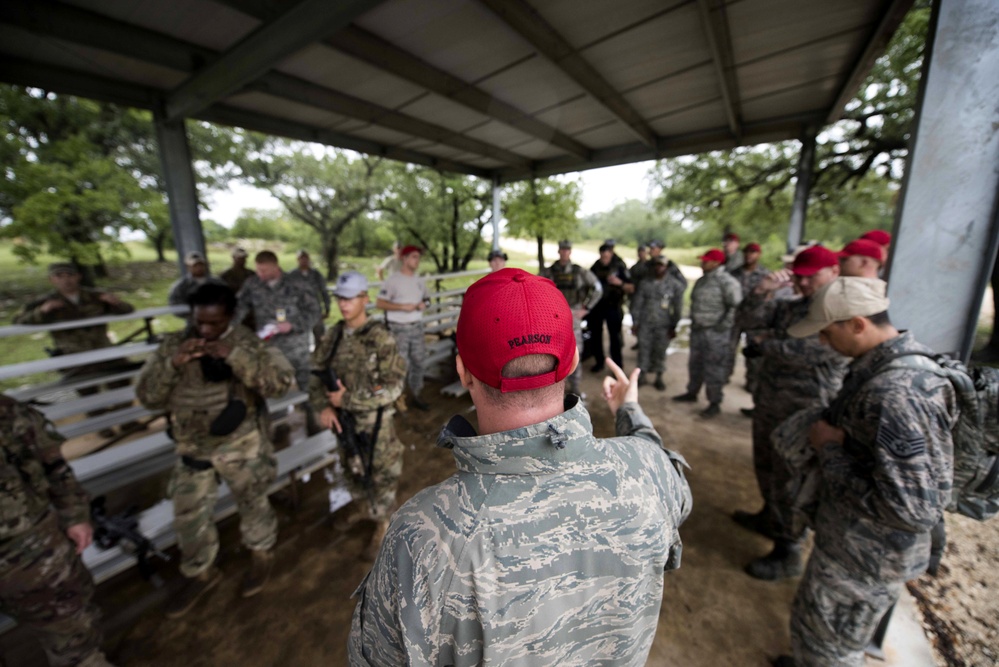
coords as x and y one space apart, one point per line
495 88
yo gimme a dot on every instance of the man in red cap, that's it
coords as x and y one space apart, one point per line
404 297
548 546
795 374
713 301
749 276
862 258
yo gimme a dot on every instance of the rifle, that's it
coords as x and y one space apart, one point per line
109 531
358 448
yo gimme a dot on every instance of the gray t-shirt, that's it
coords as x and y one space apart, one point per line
400 288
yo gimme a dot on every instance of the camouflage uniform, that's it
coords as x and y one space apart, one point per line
235 276
656 309
734 261
43 584
70 341
318 283
712 314
582 290
748 280
883 489
546 547
296 297
368 364
796 373
243 459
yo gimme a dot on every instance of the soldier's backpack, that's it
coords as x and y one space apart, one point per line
976 433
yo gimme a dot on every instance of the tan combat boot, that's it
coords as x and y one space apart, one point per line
192 591
371 551
260 571
350 516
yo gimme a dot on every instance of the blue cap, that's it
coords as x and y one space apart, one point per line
350 284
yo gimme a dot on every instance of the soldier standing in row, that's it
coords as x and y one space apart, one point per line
656 309
197 275
886 477
733 256
749 276
285 307
237 274
615 282
363 356
796 373
713 302
212 379
69 301
404 297
582 290
45 528
315 279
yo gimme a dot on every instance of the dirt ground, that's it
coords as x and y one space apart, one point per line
713 614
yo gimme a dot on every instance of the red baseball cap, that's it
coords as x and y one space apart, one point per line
878 236
713 255
864 247
410 248
509 314
812 260
752 247
731 236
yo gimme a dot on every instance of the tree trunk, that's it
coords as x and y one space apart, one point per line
541 254
331 253
159 241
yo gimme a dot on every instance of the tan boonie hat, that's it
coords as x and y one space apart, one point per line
194 257
840 300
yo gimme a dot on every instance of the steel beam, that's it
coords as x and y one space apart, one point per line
874 47
946 227
530 25
182 193
101 32
803 185
303 23
720 43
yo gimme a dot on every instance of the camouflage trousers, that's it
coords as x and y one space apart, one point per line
412 347
835 613
652 343
386 466
773 475
44 585
753 364
295 347
248 467
709 362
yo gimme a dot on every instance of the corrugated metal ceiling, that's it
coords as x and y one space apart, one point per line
498 88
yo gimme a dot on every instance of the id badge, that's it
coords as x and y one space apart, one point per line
281 315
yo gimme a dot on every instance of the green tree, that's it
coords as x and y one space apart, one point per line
858 163
326 188
543 208
444 213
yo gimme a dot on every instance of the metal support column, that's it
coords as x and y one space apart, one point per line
175 158
496 212
946 226
799 208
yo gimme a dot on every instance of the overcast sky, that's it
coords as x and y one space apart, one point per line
602 190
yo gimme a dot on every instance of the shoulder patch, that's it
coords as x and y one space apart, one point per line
903 444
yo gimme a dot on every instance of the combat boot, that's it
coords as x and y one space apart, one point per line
660 384
641 380
781 563
371 551
686 398
354 513
758 523
713 410
260 571
192 591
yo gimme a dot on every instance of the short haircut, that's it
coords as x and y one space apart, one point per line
214 294
265 257
880 319
526 366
